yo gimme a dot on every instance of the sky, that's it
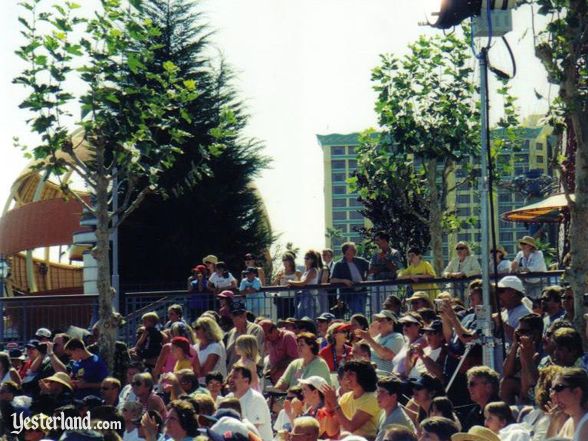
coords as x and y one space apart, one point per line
303 68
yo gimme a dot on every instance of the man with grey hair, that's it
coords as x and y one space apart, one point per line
305 428
348 271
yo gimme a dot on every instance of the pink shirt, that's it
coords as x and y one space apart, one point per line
283 347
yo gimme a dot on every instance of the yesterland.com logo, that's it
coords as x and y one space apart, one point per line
59 422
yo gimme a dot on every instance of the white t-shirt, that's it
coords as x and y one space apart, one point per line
222 282
255 409
419 367
213 348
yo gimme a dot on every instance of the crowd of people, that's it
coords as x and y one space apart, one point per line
410 371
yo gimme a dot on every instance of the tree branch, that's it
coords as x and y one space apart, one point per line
140 197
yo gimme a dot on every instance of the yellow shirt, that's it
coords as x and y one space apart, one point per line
366 403
423 268
183 364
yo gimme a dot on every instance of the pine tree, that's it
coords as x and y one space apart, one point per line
216 211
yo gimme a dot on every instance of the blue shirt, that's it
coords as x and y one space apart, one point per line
91 370
255 284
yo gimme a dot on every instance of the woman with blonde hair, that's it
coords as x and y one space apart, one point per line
464 264
247 348
569 392
210 348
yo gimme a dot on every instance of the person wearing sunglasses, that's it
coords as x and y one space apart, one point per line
109 391
483 389
143 389
463 265
520 368
337 351
412 323
569 392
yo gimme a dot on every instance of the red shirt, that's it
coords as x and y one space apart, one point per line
328 354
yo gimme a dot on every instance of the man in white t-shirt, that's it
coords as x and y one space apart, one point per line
510 294
253 404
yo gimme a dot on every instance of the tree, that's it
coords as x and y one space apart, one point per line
426 109
564 54
391 193
223 214
125 112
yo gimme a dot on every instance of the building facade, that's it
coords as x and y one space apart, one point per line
526 163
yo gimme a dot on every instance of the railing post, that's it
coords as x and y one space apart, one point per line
2 319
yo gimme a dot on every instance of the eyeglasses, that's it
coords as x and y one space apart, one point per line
556 388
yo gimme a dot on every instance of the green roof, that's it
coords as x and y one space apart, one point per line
338 139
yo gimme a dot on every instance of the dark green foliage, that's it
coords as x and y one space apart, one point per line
211 209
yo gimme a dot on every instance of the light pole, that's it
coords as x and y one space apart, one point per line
444 15
4 272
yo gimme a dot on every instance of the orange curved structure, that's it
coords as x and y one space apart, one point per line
38 216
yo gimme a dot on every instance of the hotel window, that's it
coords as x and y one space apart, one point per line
339 177
539 146
352 165
339 189
504 197
506 236
540 159
339 215
338 151
355 203
463 211
338 164
351 151
355 215
339 203
463 198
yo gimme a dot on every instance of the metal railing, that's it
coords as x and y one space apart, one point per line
24 315
280 302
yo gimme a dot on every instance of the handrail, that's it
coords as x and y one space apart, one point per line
18 299
368 283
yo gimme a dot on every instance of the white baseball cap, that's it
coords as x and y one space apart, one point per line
43 332
315 381
512 282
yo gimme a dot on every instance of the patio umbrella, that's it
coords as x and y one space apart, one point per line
549 210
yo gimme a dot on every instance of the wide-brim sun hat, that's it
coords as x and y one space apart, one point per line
61 378
210 258
528 240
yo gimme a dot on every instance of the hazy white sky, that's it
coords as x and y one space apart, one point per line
303 69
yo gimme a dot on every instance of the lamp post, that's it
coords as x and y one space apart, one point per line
4 271
444 15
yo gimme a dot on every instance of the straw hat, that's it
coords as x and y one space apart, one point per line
501 250
476 433
528 240
61 378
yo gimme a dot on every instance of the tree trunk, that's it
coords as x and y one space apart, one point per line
107 323
435 217
578 270
578 114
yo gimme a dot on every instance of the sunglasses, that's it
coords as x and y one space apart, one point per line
136 383
556 388
460 248
408 325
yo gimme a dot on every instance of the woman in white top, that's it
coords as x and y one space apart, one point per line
464 264
569 392
211 351
412 324
528 260
307 305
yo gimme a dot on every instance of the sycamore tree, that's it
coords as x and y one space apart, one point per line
391 193
426 109
89 73
563 50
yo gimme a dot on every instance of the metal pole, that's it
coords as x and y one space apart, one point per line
115 276
488 346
